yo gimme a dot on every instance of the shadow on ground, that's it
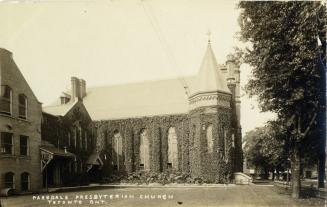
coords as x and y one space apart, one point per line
309 196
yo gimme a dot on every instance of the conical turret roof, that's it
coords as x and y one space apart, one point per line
210 77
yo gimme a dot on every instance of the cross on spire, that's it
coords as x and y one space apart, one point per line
209 36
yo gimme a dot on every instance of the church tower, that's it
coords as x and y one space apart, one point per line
210 112
233 81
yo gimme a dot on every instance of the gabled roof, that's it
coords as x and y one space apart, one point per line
162 97
150 98
210 78
64 94
9 66
59 110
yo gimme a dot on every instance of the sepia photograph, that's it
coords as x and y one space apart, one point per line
162 103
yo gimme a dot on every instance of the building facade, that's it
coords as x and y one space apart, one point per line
188 124
67 150
20 129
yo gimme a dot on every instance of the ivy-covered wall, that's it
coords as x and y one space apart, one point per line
130 129
215 166
193 156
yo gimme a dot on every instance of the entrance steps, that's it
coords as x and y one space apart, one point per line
242 179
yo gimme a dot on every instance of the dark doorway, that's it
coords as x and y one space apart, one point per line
94 174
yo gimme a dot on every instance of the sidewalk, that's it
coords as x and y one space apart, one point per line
128 185
236 196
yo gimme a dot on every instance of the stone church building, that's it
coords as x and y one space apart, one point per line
189 124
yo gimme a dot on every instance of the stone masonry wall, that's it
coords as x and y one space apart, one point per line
31 127
193 157
157 129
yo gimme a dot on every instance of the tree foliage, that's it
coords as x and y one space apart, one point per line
264 147
284 55
287 74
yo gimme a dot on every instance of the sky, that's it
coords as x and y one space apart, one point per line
110 42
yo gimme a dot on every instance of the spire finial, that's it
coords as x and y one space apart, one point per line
209 36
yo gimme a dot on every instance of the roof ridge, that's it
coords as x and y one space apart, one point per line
140 82
57 105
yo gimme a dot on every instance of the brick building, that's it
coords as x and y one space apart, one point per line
20 129
189 124
67 150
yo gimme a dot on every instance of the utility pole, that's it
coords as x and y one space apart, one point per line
46 178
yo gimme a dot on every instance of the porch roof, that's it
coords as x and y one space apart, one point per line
53 150
94 159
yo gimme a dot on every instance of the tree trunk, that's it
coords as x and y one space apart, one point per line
295 166
322 148
273 175
266 173
322 120
321 171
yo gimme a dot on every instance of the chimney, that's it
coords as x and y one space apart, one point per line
75 88
82 85
230 64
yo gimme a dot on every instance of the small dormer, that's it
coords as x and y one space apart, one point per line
65 98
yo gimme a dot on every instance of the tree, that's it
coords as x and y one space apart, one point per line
265 149
284 56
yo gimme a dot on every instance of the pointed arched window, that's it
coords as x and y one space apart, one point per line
69 138
117 145
225 143
74 136
172 161
193 135
209 137
144 150
80 137
85 140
